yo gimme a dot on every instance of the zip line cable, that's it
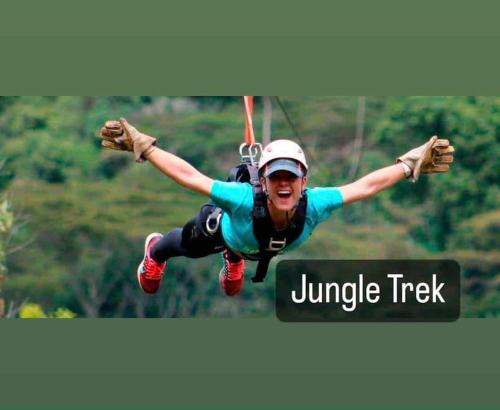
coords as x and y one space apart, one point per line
294 128
288 119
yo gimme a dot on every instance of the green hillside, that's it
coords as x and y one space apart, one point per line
81 213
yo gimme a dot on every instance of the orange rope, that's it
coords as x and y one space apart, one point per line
249 135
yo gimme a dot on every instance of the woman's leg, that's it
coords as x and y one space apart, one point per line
191 241
169 246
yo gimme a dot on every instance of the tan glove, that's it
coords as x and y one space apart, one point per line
121 136
434 156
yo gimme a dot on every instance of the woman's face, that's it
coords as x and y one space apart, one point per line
284 189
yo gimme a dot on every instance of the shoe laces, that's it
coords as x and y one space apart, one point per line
152 269
233 270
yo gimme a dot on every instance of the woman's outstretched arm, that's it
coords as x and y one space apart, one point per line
372 183
179 170
434 156
122 136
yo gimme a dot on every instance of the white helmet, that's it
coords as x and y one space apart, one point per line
283 149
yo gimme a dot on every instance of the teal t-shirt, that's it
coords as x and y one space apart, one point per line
236 200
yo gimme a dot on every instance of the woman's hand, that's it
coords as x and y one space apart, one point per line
434 156
121 136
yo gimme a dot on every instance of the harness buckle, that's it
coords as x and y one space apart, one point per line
276 245
213 221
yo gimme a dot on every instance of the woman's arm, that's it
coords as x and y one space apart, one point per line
372 183
435 155
120 135
180 171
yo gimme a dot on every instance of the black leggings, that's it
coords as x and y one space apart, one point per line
192 241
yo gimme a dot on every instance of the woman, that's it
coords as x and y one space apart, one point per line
232 225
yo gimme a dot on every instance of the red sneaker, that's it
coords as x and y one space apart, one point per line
149 272
231 277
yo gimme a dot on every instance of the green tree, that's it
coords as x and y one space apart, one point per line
471 187
6 221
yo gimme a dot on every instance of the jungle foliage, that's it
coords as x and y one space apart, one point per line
81 213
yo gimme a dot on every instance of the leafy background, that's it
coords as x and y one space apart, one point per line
73 217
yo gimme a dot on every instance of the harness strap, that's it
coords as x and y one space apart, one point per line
249 135
270 241
262 267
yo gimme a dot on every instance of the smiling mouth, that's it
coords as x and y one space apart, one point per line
284 194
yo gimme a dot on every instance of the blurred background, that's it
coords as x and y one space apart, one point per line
73 217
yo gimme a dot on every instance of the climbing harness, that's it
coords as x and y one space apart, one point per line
270 240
